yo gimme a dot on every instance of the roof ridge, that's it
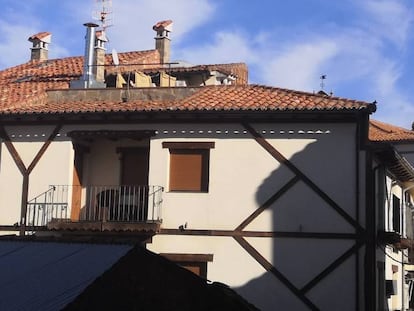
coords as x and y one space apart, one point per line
309 93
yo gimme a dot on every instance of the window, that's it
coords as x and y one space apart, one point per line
196 263
189 165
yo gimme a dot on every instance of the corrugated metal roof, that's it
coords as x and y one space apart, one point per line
47 276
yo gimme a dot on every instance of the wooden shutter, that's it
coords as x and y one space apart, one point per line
189 165
186 170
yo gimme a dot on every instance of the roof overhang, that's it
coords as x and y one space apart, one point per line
398 166
110 135
181 116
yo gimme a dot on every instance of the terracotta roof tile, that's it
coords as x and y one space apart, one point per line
383 132
39 36
162 25
28 82
23 90
208 98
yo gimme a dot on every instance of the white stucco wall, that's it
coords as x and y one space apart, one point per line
53 168
242 177
241 172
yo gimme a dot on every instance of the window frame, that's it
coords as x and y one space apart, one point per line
189 261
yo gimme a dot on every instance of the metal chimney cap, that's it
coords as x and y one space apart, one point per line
91 25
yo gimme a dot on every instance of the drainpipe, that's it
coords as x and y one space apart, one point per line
402 261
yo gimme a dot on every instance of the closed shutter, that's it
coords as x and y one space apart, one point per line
186 170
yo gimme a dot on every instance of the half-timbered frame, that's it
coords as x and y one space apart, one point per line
275 192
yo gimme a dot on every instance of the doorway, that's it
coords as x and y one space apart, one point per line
134 183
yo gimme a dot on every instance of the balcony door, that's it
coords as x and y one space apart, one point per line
134 176
134 166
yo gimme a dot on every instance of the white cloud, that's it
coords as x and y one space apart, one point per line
390 19
226 47
133 21
386 78
299 66
14 47
365 55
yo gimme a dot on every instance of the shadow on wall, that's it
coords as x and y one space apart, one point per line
291 281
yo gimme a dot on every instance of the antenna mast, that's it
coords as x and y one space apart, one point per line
103 13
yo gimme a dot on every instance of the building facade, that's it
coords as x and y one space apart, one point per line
271 191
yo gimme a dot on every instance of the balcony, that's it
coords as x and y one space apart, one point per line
96 208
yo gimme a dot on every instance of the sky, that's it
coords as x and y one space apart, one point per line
365 48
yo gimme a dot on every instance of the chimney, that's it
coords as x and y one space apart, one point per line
39 49
99 56
88 79
162 40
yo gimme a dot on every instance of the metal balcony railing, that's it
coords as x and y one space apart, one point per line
117 203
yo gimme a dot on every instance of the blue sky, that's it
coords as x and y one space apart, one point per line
364 47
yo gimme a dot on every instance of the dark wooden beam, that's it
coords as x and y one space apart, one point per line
353 250
25 171
261 234
280 158
188 145
43 148
188 257
268 203
270 268
12 150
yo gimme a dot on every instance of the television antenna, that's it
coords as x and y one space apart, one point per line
103 13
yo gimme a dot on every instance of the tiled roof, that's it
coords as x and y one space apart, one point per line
23 89
262 98
383 132
208 98
27 83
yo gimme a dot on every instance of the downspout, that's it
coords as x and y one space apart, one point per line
357 216
402 260
370 251
370 234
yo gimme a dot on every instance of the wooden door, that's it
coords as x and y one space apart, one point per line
134 173
134 166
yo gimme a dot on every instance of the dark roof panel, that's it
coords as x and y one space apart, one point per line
47 276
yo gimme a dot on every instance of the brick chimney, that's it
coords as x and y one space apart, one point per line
40 49
99 58
162 40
